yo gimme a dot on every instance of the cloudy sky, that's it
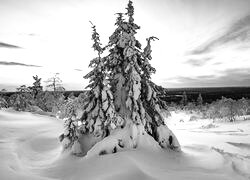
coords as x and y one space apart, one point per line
202 42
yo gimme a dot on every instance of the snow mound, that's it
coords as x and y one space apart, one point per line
240 145
240 164
132 136
27 142
167 139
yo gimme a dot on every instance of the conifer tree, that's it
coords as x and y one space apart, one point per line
199 100
121 94
70 135
129 67
36 88
184 100
98 108
99 111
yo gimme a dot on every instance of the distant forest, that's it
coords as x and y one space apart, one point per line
209 94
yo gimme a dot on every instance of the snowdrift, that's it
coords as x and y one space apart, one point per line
29 149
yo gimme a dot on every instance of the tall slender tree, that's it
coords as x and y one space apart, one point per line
199 101
99 112
184 99
37 87
55 83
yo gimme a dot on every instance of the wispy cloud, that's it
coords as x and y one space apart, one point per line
217 63
5 45
31 34
28 34
230 77
202 49
238 32
5 63
198 62
77 69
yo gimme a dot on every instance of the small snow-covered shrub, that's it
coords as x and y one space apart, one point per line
50 101
208 126
77 103
3 103
227 109
69 138
21 101
193 118
246 117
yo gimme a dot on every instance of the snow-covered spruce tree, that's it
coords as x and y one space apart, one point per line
135 95
98 108
70 136
99 111
122 107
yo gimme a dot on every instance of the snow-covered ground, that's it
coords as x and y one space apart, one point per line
29 149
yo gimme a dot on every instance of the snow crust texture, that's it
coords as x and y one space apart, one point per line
30 150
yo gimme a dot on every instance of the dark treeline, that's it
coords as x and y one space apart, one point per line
65 93
209 94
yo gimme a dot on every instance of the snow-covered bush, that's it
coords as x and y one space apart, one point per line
227 108
193 118
208 126
50 101
3 102
77 103
22 99
243 107
40 101
71 134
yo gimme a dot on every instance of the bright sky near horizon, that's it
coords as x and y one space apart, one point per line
203 43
